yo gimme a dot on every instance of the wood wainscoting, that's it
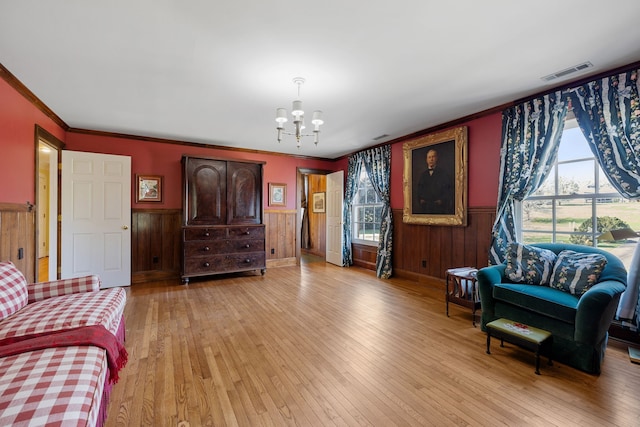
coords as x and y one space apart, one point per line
17 237
421 250
155 244
280 242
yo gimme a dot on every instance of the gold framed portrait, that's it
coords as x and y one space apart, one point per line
435 178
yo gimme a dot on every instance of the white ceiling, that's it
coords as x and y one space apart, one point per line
214 72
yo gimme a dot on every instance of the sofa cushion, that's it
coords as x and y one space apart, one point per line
60 386
576 272
539 299
13 289
529 264
103 307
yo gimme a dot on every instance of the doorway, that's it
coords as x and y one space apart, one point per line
308 183
47 156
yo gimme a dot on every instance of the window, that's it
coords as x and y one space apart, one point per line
576 202
367 212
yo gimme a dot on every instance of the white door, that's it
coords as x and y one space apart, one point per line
96 217
335 197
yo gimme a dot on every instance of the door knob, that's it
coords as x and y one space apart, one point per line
125 227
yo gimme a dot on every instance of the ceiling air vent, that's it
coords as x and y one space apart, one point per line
378 138
566 72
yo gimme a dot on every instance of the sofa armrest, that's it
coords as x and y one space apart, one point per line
595 311
43 290
487 277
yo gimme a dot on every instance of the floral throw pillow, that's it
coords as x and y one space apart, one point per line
576 272
529 264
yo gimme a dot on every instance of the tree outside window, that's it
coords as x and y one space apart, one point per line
576 203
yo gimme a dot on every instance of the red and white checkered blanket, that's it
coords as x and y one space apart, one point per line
61 386
65 312
54 387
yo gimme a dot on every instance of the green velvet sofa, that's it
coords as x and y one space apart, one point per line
579 325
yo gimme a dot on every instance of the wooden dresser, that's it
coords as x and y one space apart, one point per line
223 230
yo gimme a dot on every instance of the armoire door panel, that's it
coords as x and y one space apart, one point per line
245 190
206 193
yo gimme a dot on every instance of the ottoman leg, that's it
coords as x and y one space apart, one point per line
488 342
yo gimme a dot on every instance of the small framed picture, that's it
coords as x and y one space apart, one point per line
149 188
318 203
277 194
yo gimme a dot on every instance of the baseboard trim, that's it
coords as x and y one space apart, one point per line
281 262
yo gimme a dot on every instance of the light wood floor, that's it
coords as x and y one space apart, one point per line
321 346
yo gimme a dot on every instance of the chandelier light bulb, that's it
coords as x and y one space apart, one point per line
298 119
296 109
281 116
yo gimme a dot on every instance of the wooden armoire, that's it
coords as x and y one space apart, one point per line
223 230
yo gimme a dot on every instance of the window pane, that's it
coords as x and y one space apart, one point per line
573 145
371 194
368 214
548 186
537 215
571 213
359 212
605 186
377 214
576 177
532 237
368 232
359 230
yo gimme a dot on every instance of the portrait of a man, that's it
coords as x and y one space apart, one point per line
435 178
434 190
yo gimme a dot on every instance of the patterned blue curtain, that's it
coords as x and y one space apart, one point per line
608 112
530 135
353 175
377 162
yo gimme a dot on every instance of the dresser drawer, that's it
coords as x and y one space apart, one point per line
248 261
193 233
247 245
222 246
224 263
205 247
246 232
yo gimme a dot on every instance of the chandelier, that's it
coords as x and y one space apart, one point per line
298 119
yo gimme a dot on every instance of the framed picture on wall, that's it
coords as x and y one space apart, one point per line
318 202
435 179
149 188
277 194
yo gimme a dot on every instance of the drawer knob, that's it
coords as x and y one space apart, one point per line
206 248
247 260
247 232
206 234
247 245
206 264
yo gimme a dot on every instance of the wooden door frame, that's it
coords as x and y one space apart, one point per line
41 134
299 184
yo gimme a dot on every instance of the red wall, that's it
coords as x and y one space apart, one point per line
157 158
483 143
18 118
